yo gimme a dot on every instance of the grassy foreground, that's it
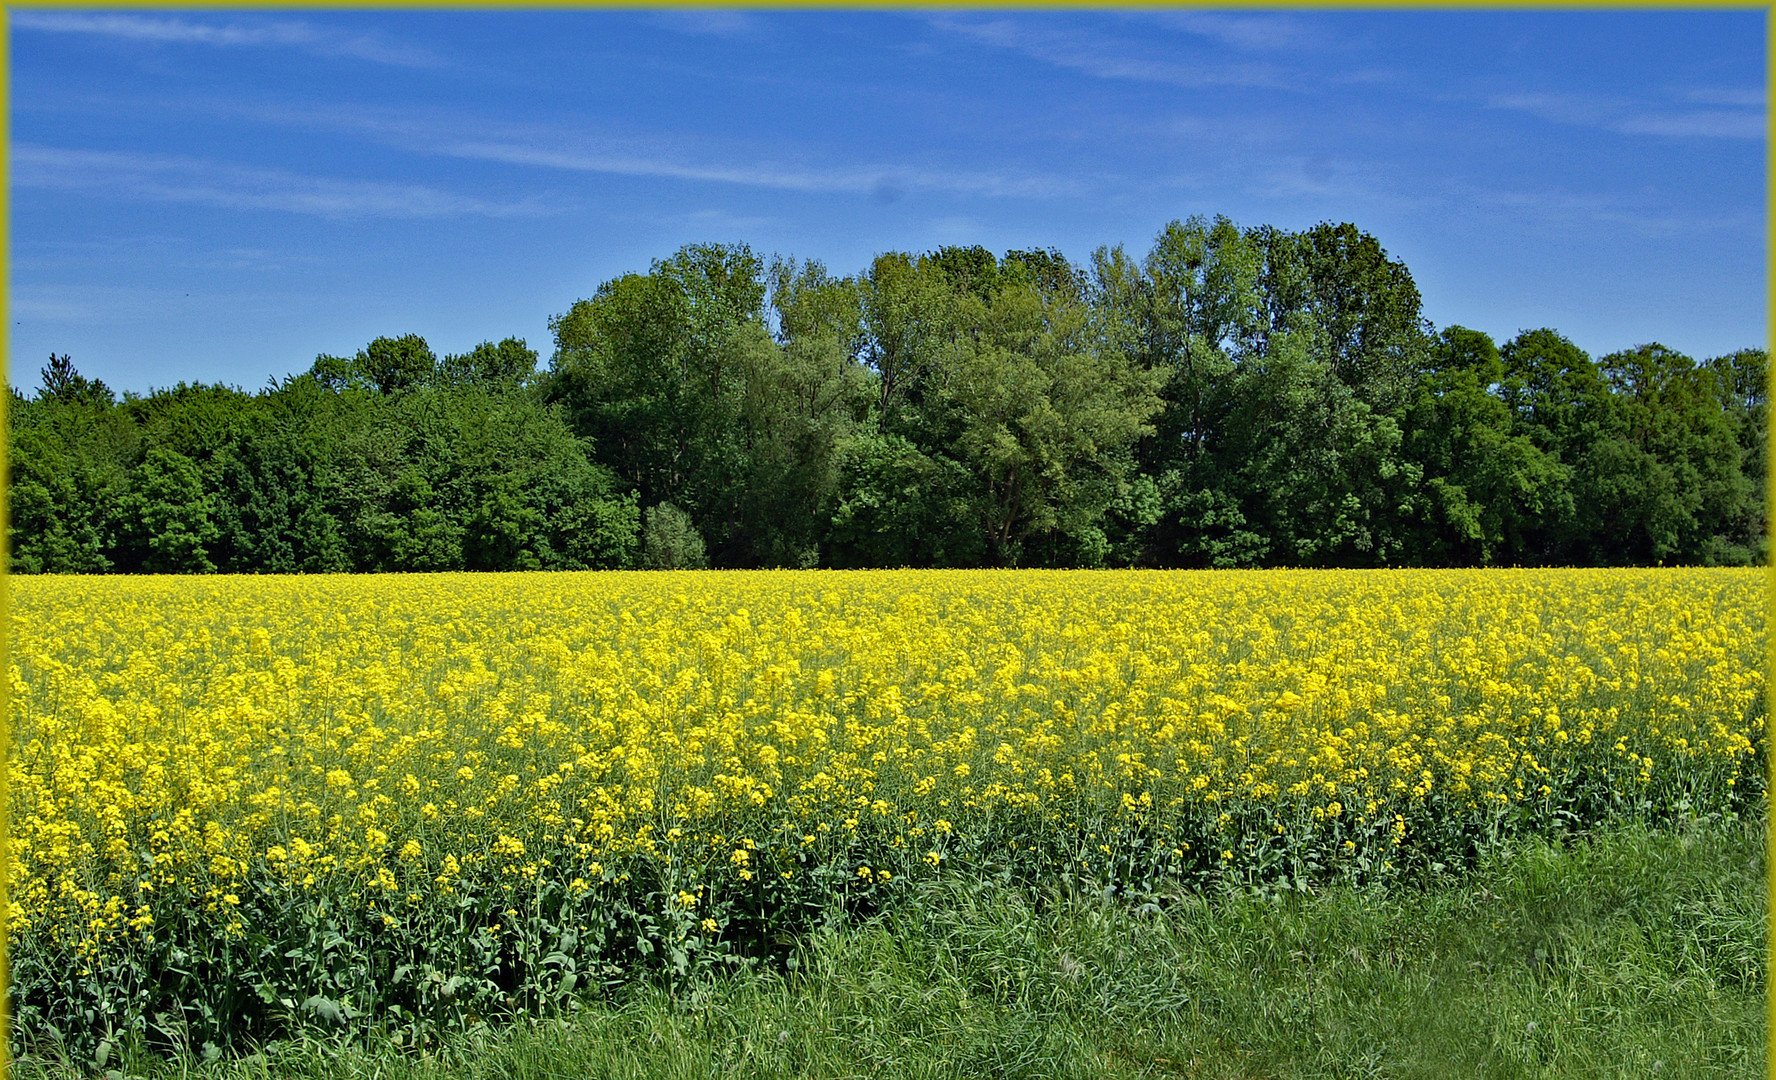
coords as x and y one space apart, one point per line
1633 953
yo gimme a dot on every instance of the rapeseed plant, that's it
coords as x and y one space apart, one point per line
390 799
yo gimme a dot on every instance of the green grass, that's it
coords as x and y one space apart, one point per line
1634 953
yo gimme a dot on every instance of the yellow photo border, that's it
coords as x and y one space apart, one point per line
6 344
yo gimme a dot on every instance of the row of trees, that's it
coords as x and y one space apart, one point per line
1237 397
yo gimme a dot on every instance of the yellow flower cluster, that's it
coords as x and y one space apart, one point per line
175 737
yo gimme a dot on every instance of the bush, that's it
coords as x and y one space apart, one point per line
669 541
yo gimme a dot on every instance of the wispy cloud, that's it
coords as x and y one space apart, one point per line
164 178
1584 212
1249 33
47 306
1103 57
1746 97
568 147
316 40
1638 118
873 180
1695 124
709 22
1577 109
709 222
84 304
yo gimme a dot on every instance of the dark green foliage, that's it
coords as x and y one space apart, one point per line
164 521
386 365
471 479
1004 429
1235 398
894 506
669 541
1491 493
309 476
487 366
64 385
69 458
658 371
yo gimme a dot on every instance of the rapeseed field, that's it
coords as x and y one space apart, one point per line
245 805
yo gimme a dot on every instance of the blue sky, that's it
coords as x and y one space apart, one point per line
217 196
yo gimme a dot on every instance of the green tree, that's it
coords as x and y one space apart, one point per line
669 540
507 366
1740 382
1365 307
1309 465
468 479
908 328
1190 311
64 385
895 506
678 380
1040 417
165 516
1671 412
386 365
806 392
70 449
1491 493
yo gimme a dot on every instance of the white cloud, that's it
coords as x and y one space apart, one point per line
317 40
710 22
1747 97
85 303
1633 118
1559 108
858 180
1695 124
1105 58
163 178
1253 33
40 305
564 148
1584 212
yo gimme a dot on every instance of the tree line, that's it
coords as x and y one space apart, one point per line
1233 398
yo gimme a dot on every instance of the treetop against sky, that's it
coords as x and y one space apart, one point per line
215 195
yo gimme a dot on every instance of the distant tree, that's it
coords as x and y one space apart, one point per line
71 449
1491 494
1310 466
1047 269
1191 310
506 366
165 516
1364 306
68 466
1740 382
669 540
805 395
894 506
63 384
1040 418
469 479
970 271
908 326
1233 397
276 484
1671 412
679 382
386 365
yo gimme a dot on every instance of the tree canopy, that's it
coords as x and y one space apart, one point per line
1234 397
